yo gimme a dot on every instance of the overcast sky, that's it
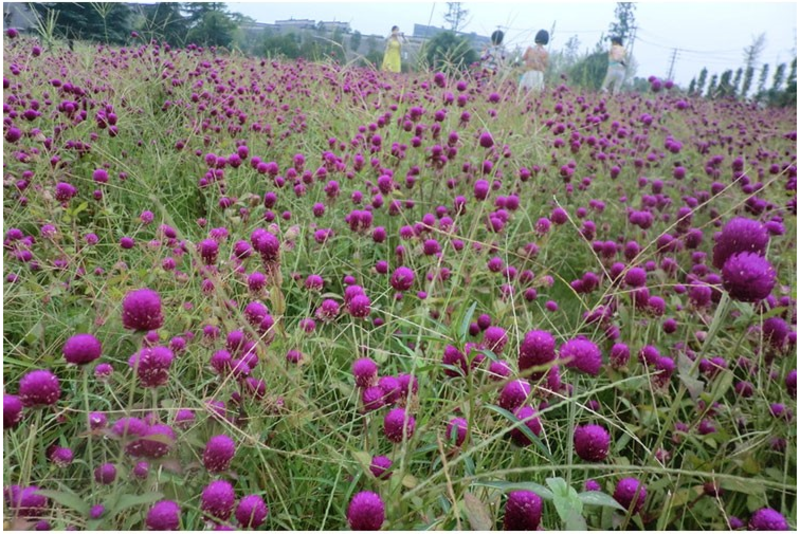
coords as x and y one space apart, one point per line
710 34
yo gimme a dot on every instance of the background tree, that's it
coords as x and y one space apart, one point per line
196 11
692 86
449 52
762 79
163 21
737 79
751 55
214 29
588 72
108 23
355 41
456 16
625 21
725 87
712 87
778 78
701 81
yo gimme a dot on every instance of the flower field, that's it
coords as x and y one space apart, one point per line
252 294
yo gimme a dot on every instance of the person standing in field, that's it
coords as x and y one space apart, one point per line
494 56
536 60
391 58
616 66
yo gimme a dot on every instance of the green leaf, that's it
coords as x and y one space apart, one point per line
689 377
522 427
67 498
568 505
129 501
464 327
750 487
598 498
558 485
477 513
505 487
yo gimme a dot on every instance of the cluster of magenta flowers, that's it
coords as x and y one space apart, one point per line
619 229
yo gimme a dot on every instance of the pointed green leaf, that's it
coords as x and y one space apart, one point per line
505 487
477 513
67 498
598 498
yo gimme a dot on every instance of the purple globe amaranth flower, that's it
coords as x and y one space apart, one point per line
97 511
499 370
155 442
495 339
402 279
775 331
12 411
514 394
365 371
218 499
457 430
359 306
582 355
152 366
26 502
209 251
252 511
141 310
523 511
82 349
768 519
537 349
636 277
398 422
629 489
141 470
61 456
105 474
39 388
130 427
748 277
380 467
791 383
366 511
739 235
373 398
163 515
591 485
527 414
591 443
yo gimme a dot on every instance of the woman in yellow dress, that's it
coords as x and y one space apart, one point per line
391 58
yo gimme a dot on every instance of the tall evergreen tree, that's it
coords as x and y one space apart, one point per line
778 78
762 79
737 79
692 86
701 81
214 29
625 21
456 16
712 87
749 73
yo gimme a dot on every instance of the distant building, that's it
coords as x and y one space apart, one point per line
294 25
332 26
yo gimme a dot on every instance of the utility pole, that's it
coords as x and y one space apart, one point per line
672 63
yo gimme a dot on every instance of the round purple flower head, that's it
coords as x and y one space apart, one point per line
628 489
768 519
591 485
583 355
252 511
140 470
97 511
591 443
217 499
366 511
748 277
523 511
82 349
61 456
365 371
457 430
402 279
395 421
791 383
105 474
152 366
739 235
39 388
209 251
514 394
495 339
538 348
156 442
141 310
12 411
102 371
527 414
164 515
26 501
380 467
